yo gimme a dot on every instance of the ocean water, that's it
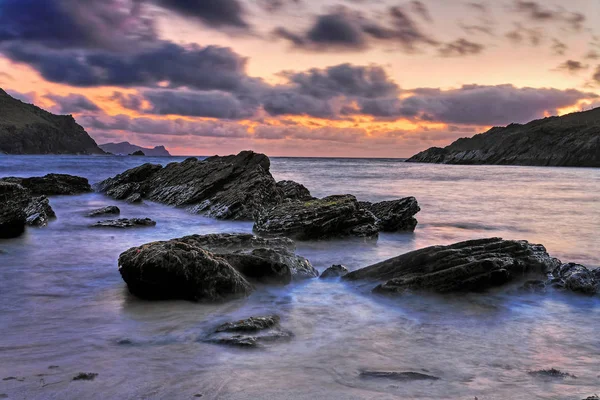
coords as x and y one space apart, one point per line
63 303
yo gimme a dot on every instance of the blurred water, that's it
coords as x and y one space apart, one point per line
63 303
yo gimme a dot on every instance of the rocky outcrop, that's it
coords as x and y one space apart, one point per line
251 332
231 187
294 191
14 199
570 141
114 210
576 278
473 265
124 148
52 184
334 271
124 223
177 270
395 215
137 153
333 216
39 212
27 129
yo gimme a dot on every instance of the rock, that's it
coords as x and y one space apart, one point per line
137 153
14 198
124 148
177 270
534 286
576 278
53 184
124 223
85 376
333 216
334 271
104 211
552 373
399 376
294 191
395 215
27 129
571 140
39 212
473 265
257 258
231 187
251 332
134 198
594 397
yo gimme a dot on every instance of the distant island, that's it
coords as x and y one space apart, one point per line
27 129
125 148
572 140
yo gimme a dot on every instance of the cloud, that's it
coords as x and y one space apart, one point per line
30 97
536 12
214 13
559 48
71 104
273 6
419 8
533 36
572 66
460 48
596 76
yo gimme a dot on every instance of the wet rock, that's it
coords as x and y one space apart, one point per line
594 397
294 191
576 278
124 223
39 212
333 216
398 376
552 373
134 198
104 211
395 215
334 271
85 376
53 184
231 187
251 332
242 250
177 270
14 198
534 286
473 265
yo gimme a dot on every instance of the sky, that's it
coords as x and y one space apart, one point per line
327 78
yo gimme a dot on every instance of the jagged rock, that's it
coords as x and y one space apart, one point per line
53 184
571 140
14 198
333 216
473 265
231 187
104 211
395 215
552 373
134 198
294 191
257 258
399 376
177 270
334 271
251 332
39 212
124 223
576 278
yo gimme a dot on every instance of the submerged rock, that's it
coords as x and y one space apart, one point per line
104 211
251 332
399 376
294 191
124 223
177 270
333 216
85 376
576 278
552 373
395 215
473 265
231 187
334 271
53 184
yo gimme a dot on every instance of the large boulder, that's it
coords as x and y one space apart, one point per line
395 215
333 216
53 184
14 198
473 265
232 187
177 270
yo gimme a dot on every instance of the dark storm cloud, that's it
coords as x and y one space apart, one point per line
215 13
460 48
572 66
72 103
287 101
537 12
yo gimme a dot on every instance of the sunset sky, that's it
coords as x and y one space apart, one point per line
353 78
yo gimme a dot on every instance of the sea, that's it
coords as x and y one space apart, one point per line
64 308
